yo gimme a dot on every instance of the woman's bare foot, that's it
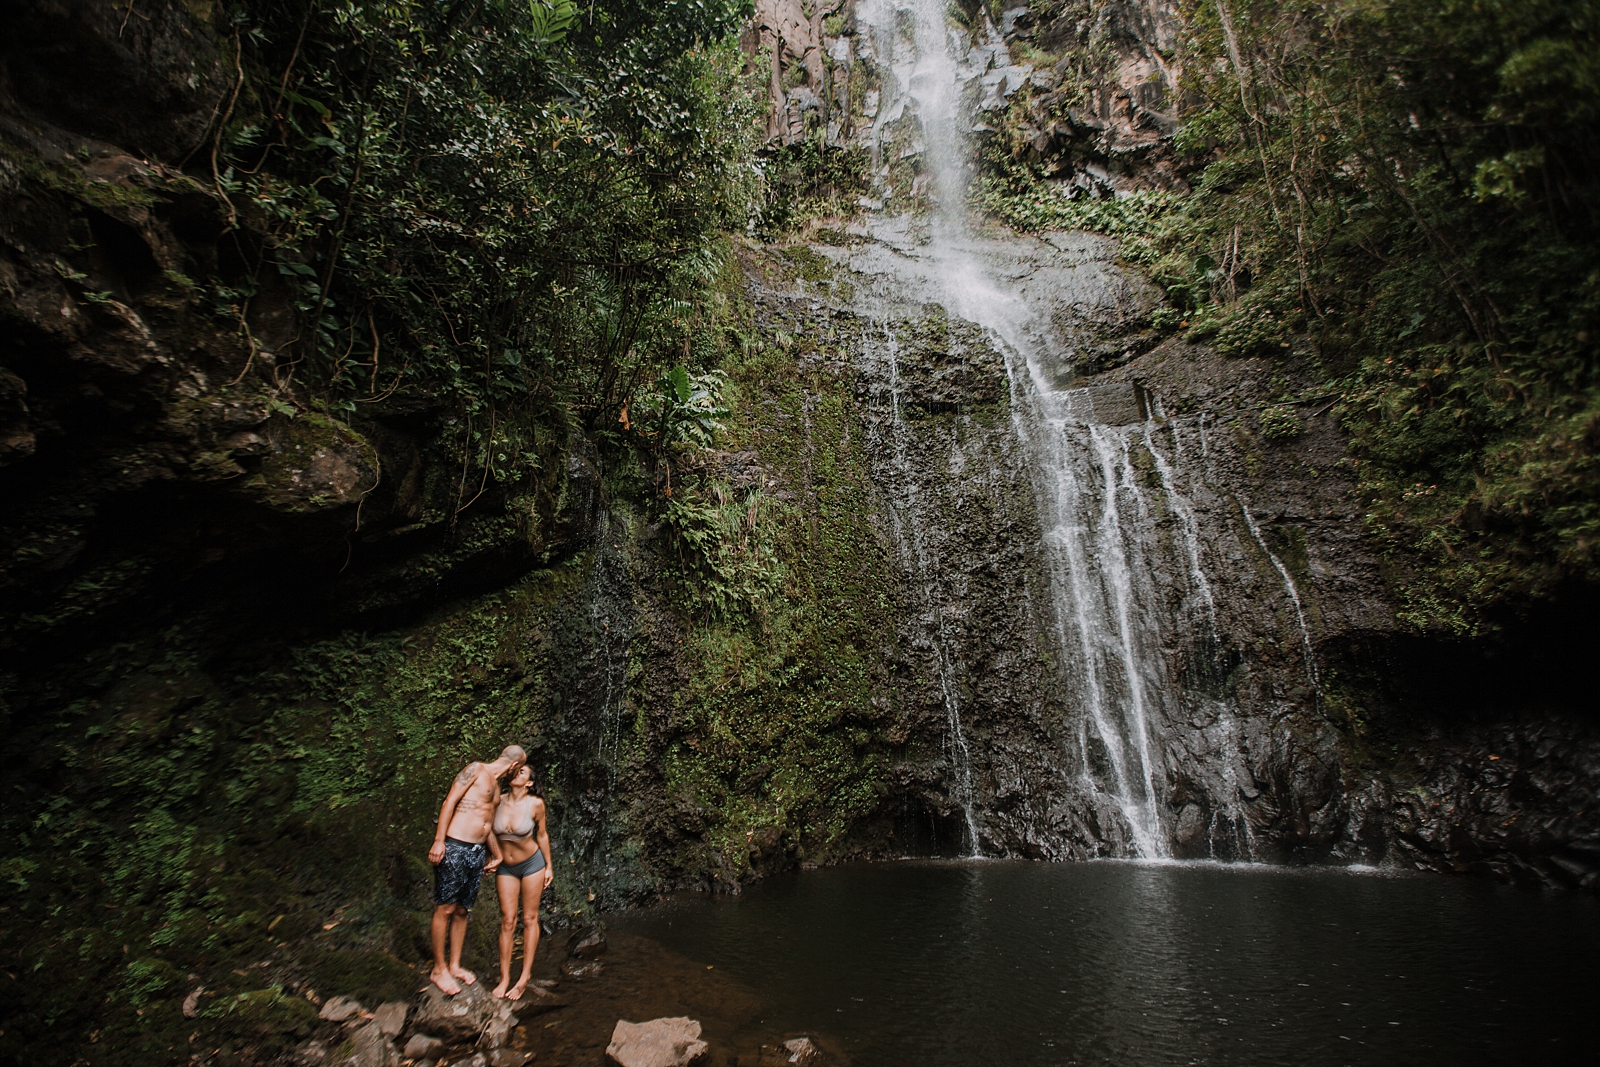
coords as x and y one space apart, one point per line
516 990
462 975
499 991
447 984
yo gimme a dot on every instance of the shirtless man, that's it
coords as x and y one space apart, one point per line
463 851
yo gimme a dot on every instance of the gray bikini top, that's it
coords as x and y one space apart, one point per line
505 828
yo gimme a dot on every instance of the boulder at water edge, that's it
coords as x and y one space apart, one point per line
800 1050
536 1001
455 1019
587 944
658 1043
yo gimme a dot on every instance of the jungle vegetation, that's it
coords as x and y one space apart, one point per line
500 222
512 217
1397 201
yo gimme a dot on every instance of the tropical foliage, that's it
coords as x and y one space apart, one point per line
1398 199
507 210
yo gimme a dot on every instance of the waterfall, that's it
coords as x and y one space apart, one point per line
1099 522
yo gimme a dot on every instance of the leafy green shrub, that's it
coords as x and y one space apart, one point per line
726 542
1048 205
1279 423
808 182
1402 200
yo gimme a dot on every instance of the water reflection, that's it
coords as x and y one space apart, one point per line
1129 963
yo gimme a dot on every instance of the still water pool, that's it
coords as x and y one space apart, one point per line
1013 963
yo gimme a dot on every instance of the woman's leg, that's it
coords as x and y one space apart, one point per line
532 890
510 889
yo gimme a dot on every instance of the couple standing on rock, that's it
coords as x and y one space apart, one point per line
493 820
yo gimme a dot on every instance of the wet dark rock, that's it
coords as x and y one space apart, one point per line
152 82
672 1042
587 944
536 1000
580 969
798 1050
1254 755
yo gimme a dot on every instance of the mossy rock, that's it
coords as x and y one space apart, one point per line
312 464
267 1019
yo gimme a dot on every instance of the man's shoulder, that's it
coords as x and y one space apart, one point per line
470 773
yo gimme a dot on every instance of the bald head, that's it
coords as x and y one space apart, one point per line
513 754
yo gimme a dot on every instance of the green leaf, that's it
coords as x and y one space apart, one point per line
680 383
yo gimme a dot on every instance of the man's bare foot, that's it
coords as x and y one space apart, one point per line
499 991
516 990
447 984
464 976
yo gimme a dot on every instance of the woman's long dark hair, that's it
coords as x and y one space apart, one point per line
535 784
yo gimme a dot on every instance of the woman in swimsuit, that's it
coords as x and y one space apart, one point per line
523 875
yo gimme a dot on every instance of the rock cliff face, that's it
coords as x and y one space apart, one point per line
1095 87
1288 718
157 450
1136 604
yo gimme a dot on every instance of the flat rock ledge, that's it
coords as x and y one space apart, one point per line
671 1042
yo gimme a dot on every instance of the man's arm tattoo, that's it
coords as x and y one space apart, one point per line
468 773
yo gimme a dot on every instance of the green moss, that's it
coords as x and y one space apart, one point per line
1288 543
809 264
779 752
298 442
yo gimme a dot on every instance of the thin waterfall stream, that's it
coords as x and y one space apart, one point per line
907 520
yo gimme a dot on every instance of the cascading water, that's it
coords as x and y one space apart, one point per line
1096 516
1293 593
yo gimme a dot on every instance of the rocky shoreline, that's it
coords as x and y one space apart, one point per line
579 1010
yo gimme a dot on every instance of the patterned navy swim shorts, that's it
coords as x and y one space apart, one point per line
456 877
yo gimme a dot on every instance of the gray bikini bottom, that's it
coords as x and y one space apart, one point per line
532 865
